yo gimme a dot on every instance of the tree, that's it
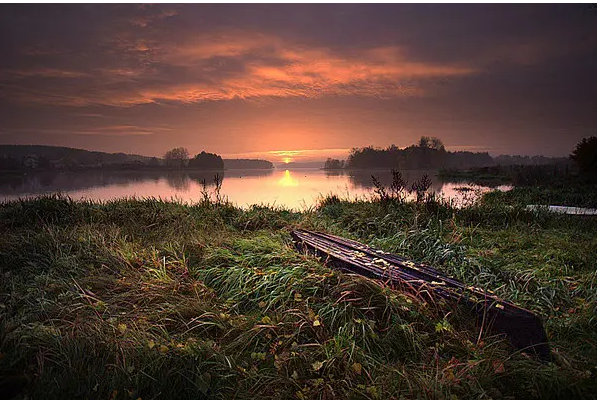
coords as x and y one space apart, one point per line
177 157
431 143
334 164
585 156
206 160
436 144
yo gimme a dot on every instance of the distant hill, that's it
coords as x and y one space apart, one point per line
244 163
78 156
18 157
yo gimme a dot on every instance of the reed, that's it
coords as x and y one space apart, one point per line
145 298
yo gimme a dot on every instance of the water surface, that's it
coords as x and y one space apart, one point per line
298 189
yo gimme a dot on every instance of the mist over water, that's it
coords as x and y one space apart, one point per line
296 189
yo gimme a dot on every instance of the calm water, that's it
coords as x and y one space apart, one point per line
296 189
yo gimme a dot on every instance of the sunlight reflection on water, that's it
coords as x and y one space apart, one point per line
297 189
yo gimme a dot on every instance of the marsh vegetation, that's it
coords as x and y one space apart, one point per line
142 298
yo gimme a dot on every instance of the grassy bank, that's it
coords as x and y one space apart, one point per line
534 184
149 299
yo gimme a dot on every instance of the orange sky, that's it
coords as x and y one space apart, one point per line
253 79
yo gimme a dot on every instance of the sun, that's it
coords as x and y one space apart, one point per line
287 160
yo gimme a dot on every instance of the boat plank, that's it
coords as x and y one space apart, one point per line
523 328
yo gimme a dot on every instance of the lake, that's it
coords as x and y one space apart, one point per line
297 189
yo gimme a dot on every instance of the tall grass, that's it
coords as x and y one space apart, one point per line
143 298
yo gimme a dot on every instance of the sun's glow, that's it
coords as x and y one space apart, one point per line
287 160
287 152
287 180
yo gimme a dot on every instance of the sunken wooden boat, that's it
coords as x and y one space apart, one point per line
523 329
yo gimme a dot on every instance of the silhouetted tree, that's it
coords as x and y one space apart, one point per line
334 164
429 152
177 157
431 143
206 160
154 162
436 144
585 156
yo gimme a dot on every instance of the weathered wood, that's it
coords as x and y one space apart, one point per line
523 328
562 209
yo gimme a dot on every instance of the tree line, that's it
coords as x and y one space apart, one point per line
428 153
179 157
44 158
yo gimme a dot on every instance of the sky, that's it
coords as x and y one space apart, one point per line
301 82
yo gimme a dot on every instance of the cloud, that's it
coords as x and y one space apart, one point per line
88 115
236 65
223 65
42 73
40 51
138 66
275 68
143 21
108 130
123 130
534 50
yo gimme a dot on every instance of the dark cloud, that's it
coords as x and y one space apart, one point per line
504 77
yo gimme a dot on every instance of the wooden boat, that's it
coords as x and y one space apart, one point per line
523 329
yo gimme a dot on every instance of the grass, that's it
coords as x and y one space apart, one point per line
534 184
141 298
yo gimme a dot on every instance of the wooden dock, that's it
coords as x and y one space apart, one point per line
523 328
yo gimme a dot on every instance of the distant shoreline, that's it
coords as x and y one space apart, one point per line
127 169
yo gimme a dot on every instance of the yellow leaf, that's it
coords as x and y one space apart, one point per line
122 328
300 395
224 316
372 390
163 349
316 322
295 375
262 304
266 320
317 365
357 367
449 375
151 344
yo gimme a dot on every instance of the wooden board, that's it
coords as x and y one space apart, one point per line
562 209
523 328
